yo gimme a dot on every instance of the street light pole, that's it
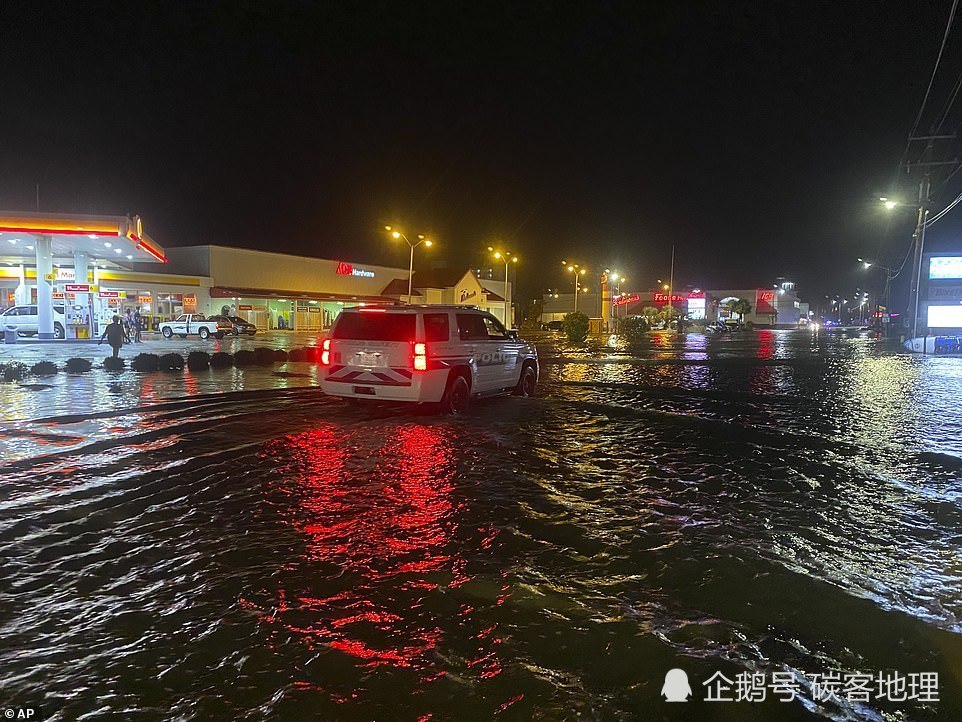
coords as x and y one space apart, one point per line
410 271
421 239
508 258
671 285
578 271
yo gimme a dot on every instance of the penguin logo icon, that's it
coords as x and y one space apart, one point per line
676 687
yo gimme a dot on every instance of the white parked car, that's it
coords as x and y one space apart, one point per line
425 354
27 323
189 324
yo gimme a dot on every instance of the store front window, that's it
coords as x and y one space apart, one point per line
170 305
281 314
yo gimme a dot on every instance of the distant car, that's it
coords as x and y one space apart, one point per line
27 322
238 325
553 326
188 324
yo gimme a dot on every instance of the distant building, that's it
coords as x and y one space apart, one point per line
449 286
771 307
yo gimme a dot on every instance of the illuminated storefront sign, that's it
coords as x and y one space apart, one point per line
945 316
696 307
945 267
675 297
624 299
113 294
348 269
77 288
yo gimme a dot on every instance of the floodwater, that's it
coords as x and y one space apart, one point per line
766 503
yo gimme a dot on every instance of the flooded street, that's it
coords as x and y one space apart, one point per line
251 550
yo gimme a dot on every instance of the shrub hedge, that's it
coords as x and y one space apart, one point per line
171 362
78 365
145 362
44 368
198 360
14 371
114 363
221 360
244 358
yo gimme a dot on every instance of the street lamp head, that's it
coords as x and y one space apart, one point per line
395 234
421 236
665 286
490 249
564 263
584 271
429 243
497 254
571 268
387 228
866 264
514 259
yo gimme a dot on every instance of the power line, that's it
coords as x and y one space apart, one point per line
948 105
945 210
928 90
935 70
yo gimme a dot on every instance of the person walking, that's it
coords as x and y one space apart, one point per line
138 321
116 335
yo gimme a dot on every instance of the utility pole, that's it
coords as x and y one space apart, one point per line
671 284
923 212
919 249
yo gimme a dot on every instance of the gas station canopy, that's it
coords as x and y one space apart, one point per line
113 239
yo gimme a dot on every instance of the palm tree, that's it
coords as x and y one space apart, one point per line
739 306
650 313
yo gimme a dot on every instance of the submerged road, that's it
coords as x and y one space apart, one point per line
765 504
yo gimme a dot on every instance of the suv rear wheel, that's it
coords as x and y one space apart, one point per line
457 396
58 330
204 333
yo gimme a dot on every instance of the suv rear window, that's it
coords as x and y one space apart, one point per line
374 326
436 327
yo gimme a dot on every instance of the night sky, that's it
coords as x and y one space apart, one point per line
756 137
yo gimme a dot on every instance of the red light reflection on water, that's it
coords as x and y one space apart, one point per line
766 345
384 518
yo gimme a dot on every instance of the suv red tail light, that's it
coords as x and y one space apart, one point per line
420 357
326 352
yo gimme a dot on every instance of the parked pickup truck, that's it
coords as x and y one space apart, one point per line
188 324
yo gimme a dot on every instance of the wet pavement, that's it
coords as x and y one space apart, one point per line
769 503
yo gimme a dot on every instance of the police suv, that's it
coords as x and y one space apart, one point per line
425 354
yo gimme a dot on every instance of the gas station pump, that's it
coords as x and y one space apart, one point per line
80 316
78 311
